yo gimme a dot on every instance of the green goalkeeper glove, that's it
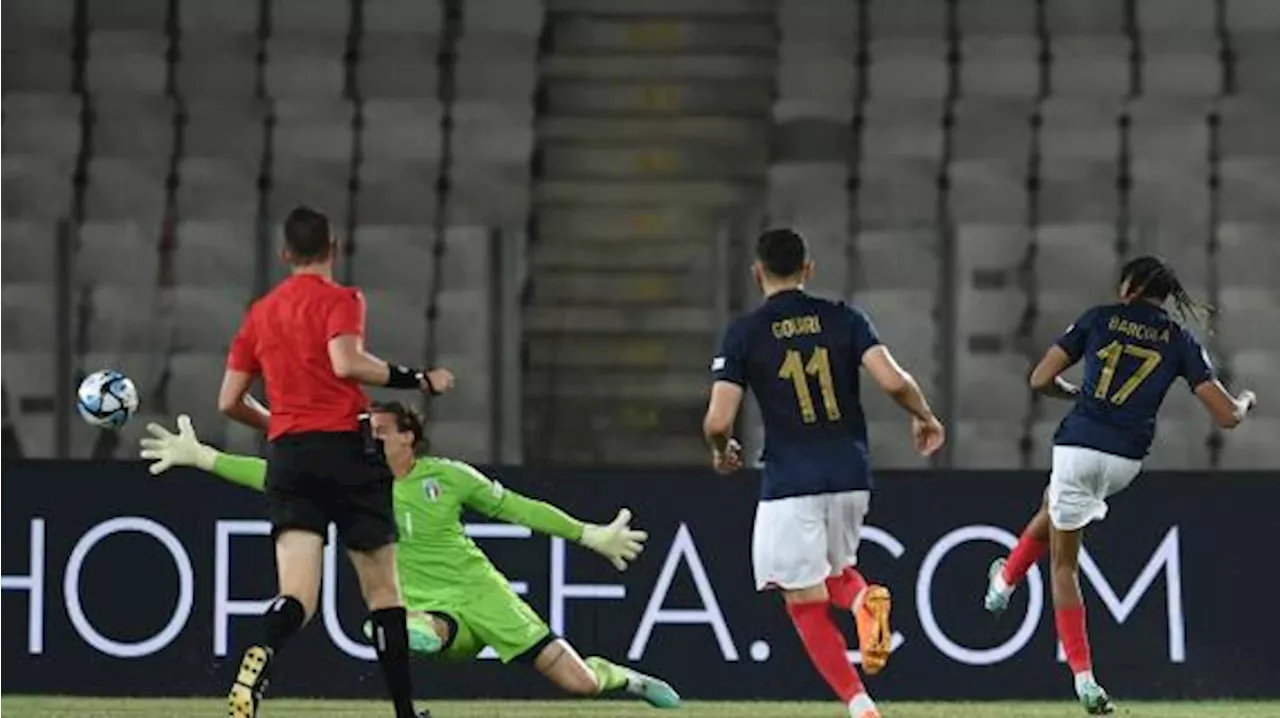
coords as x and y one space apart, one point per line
166 450
617 542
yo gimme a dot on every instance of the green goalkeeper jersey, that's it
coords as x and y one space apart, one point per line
436 559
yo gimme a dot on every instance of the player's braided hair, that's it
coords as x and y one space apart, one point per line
1152 278
407 419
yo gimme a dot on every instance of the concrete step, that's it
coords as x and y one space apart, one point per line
597 97
614 320
585 416
718 8
625 224
667 384
617 350
620 287
687 193
662 34
708 130
659 67
546 256
654 162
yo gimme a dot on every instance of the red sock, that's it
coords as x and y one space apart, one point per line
826 647
1023 557
845 587
1074 637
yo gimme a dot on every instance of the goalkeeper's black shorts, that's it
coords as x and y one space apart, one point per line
315 478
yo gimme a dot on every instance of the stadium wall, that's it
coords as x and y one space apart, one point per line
117 583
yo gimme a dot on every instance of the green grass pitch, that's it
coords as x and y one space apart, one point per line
57 707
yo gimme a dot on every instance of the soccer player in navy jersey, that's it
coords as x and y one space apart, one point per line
1133 351
800 355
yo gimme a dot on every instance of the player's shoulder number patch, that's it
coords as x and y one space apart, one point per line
717 364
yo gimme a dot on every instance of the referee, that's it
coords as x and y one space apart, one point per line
306 339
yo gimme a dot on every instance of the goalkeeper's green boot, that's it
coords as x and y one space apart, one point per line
654 691
1095 700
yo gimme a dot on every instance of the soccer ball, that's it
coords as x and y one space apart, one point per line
107 399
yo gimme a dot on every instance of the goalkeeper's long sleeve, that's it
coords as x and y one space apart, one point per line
539 516
247 471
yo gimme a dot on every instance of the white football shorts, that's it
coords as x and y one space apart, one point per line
1081 481
801 540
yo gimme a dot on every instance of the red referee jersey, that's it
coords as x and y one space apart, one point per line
285 338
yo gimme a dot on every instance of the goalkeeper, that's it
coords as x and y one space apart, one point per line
458 601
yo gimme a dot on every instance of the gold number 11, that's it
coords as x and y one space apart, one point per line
819 365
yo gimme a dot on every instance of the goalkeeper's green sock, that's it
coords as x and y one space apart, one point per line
610 676
652 690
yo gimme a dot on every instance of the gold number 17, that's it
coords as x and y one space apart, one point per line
1111 353
819 365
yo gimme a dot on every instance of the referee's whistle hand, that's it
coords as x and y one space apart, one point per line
437 381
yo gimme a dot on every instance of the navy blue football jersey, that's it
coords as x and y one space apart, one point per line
800 356
1132 354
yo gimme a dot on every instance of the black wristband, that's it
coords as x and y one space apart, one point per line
402 377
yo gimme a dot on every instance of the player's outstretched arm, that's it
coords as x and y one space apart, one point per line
1227 410
166 450
902 388
1047 379
617 542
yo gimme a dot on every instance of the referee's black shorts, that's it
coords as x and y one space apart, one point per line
314 478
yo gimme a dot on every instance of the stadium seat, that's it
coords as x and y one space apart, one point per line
402 129
995 17
490 193
30 381
997 129
492 132
120 318
123 188
1172 131
398 258
1186 18
38 62
227 128
212 189
1180 444
1079 259
314 129
397 325
1249 189
397 16
1255 370
206 318
140 15
394 65
897 194
1247 317
1054 312
1256 57
909 69
984 249
1079 191
36 187
908 18
902 129
467 259
193 389
299 67
892 446
40 15
992 386
397 193
1080 129
1248 255
467 440
31 246
320 184
988 192
495 69
1247 124
42 125
1095 66
117 253
1251 16
895 259
216 254
822 79
127 62
137 128
1000 66
990 315
1170 196
906 321
1182 66
987 445
29 321
227 17
216 66
307 18
825 25
1084 17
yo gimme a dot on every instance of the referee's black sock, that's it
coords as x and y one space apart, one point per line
284 617
391 640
